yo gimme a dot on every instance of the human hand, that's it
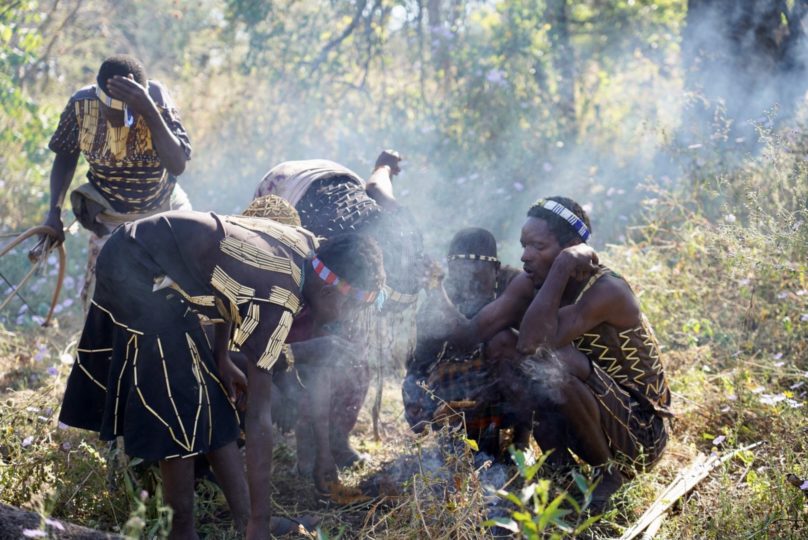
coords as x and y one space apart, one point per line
132 93
389 158
234 381
581 261
54 221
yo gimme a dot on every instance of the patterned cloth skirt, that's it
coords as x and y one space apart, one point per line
144 369
636 435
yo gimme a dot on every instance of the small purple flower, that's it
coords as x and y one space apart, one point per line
28 441
52 371
804 486
41 352
495 76
718 440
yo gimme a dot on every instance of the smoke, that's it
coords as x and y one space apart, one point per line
544 377
649 98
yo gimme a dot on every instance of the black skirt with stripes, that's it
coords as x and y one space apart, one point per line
144 368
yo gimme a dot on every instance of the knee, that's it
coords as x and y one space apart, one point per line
541 381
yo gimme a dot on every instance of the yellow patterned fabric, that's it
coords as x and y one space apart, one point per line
124 165
297 238
275 208
276 342
631 357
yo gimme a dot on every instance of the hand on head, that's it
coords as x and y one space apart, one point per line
582 260
130 92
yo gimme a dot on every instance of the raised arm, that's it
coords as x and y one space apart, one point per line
168 146
380 184
547 323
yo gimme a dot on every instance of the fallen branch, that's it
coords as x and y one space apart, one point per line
18 523
686 480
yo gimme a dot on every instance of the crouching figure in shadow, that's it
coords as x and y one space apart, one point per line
584 369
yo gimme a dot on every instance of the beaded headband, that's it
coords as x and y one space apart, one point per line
472 257
342 286
115 104
562 211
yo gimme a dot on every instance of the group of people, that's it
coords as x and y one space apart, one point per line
202 326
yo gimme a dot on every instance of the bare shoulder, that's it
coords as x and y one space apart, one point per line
612 296
520 288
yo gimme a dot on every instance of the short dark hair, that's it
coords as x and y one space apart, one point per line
559 226
123 65
356 258
473 241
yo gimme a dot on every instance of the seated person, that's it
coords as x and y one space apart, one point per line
436 373
145 370
586 364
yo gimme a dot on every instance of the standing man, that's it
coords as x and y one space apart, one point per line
130 133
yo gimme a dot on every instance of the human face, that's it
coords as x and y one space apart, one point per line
471 284
539 249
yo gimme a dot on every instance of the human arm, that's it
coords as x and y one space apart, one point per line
380 184
233 378
443 320
607 300
169 147
64 166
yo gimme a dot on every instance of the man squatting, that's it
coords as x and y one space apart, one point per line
441 381
584 367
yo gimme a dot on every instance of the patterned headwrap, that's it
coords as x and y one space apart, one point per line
115 104
562 211
367 297
473 244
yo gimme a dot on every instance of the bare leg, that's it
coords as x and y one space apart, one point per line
178 483
350 386
228 466
562 402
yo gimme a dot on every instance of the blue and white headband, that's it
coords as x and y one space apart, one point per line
562 211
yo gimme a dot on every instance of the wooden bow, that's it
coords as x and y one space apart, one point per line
49 233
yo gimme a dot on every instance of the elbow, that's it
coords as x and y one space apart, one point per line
176 169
